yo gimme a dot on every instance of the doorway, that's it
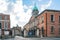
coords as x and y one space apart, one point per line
31 33
42 30
0 26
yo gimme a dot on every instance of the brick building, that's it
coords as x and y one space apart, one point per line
4 24
48 23
30 29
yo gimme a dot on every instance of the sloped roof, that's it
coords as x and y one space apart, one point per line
48 11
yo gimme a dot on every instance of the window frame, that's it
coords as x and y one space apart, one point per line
0 17
52 18
42 19
52 29
6 18
5 23
59 19
1 25
59 30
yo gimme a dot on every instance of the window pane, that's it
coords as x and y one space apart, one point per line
6 17
59 18
0 25
52 29
52 18
0 17
59 29
6 25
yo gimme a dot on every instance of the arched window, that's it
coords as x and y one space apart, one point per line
52 29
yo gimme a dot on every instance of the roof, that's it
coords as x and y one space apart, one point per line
3 14
52 10
48 11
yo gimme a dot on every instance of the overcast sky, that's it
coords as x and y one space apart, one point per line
20 10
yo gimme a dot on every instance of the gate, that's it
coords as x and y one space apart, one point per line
31 33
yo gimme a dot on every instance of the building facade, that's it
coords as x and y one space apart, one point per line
4 24
47 23
30 29
16 31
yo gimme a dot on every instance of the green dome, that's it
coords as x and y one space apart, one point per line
35 8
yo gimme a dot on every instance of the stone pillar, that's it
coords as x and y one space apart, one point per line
37 33
41 34
25 33
0 32
13 33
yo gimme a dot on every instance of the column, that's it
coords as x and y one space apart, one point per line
37 33
0 32
13 33
25 33
41 34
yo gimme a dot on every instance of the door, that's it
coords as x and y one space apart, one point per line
0 26
31 33
42 31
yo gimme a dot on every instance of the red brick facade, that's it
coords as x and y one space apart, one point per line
47 24
4 20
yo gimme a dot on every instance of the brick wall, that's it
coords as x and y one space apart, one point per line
47 23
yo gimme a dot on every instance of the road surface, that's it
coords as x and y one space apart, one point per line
22 38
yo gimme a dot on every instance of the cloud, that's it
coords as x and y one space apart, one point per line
3 6
25 7
23 17
45 6
16 12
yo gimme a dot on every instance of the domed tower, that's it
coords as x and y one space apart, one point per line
35 11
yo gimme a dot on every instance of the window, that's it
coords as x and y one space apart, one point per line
6 25
42 19
0 25
0 17
59 30
6 17
59 19
52 18
42 30
52 29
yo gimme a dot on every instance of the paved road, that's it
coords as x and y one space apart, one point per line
7 39
21 38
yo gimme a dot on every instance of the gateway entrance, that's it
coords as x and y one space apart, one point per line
31 33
